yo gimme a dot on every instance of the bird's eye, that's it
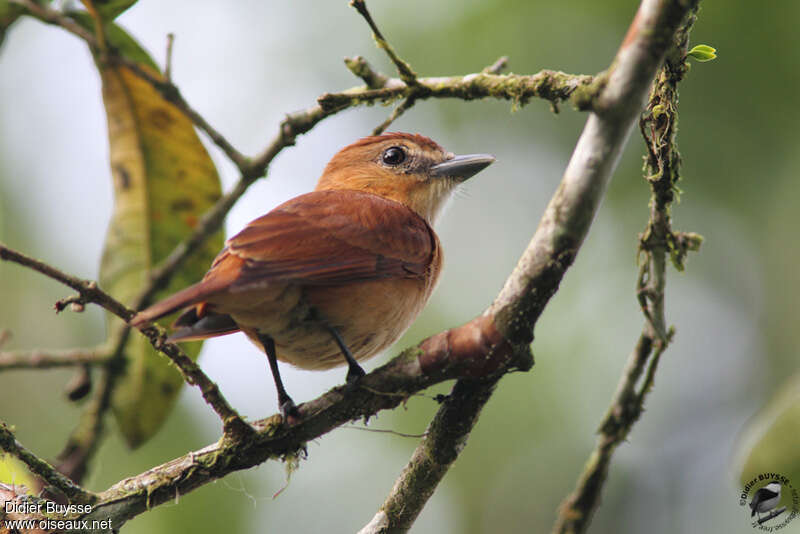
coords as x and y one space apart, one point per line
394 155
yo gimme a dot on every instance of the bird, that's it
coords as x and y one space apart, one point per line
766 498
336 275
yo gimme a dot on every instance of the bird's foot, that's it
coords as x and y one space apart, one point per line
354 374
289 410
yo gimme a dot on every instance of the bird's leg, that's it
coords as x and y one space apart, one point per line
354 371
285 402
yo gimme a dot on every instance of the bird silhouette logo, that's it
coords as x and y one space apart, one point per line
771 500
765 499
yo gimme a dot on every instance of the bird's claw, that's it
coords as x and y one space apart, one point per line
289 411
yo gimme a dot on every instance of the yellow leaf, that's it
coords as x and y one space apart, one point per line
14 472
164 180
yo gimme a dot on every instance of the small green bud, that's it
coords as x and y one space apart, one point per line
703 53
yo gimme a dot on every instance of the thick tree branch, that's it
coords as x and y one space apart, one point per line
658 126
561 231
445 438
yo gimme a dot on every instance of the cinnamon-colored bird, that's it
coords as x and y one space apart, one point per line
336 275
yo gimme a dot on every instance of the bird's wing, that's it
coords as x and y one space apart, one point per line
332 238
320 238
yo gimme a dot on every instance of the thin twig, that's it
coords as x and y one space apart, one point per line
497 67
41 359
385 431
361 68
407 104
52 16
403 68
86 288
168 59
172 94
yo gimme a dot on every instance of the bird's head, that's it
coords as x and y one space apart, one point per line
408 168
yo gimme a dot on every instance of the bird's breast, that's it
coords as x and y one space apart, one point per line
370 316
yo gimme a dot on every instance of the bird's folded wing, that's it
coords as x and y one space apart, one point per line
331 238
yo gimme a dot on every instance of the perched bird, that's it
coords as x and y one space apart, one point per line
336 275
766 498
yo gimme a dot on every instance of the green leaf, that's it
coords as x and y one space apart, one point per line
703 53
111 9
164 180
117 38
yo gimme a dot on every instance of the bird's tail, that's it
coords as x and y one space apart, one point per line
193 294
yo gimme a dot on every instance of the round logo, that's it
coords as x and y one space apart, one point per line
771 501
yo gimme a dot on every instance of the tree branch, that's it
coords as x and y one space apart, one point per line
658 127
361 68
549 85
40 359
407 104
561 231
445 438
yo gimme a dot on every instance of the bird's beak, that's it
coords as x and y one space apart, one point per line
462 167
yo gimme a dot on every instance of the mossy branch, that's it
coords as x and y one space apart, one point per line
658 125
549 85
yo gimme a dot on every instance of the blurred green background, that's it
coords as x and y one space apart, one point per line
243 65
